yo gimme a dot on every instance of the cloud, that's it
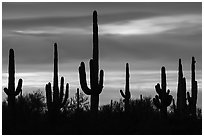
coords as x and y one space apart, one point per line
146 36
132 24
145 50
47 31
74 21
154 25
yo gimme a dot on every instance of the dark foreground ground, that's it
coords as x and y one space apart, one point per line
143 119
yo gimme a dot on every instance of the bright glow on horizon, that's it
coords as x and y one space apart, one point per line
141 82
112 79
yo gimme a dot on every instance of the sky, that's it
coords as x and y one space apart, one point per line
145 35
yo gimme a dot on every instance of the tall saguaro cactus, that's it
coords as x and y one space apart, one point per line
181 91
194 90
96 83
10 91
127 94
164 99
56 99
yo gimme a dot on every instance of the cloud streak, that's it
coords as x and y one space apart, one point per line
190 23
47 31
153 25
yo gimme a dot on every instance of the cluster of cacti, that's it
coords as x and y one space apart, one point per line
183 109
127 94
181 91
10 91
163 99
56 99
96 84
192 100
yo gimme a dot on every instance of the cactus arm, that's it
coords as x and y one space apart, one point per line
158 89
62 89
168 91
7 91
82 77
193 72
168 100
101 78
48 95
100 85
19 87
66 94
122 94
156 102
189 97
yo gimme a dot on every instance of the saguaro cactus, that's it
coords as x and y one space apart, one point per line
181 91
10 91
164 99
57 99
127 94
192 101
78 103
96 84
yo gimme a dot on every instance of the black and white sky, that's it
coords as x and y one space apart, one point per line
146 35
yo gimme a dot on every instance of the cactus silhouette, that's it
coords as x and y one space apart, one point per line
174 106
141 97
181 91
77 94
96 86
111 104
127 94
164 99
57 99
10 91
192 100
